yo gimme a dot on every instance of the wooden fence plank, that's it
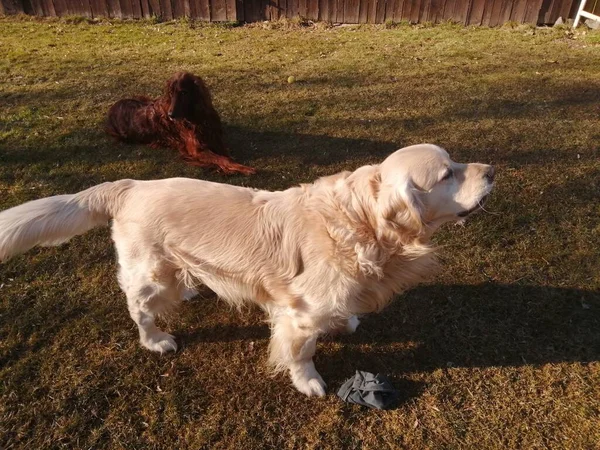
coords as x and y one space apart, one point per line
333 11
339 11
427 11
371 11
434 11
448 10
472 12
114 8
239 10
442 11
415 7
397 15
202 10
278 9
155 8
380 11
518 11
461 10
182 8
34 7
177 9
545 11
19 6
390 7
75 7
126 9
65 8
351 10
423 10
166 9
313 9
406 9
249 14
71 7
86 9
99 8
60 6
324 10
475 16
302 9
554 12
265 9
15 7
193 9
487 12
218 10
144 8
568 8
505 11
230 10
363 11
292 9
136 8
532 11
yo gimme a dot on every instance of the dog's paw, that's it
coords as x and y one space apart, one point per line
160 342
315 387
352 324
306 378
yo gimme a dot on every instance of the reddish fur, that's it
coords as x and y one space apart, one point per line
195 130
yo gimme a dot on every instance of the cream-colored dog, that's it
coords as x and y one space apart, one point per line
313 257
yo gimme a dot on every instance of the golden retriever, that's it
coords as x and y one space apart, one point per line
313 257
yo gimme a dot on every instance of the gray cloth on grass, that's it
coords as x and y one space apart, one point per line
364 388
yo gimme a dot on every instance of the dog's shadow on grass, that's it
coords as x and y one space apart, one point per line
486 325
447 326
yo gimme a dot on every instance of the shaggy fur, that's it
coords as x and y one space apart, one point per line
183 119
313 257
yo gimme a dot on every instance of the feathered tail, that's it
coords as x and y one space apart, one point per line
54 220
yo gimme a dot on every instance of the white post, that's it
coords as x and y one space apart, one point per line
582 13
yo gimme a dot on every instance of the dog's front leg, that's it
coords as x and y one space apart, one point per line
292 347
347 326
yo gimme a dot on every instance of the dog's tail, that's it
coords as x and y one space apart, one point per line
54 220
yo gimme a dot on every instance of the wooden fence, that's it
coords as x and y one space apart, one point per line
468 12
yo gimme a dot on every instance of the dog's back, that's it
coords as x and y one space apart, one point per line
129 120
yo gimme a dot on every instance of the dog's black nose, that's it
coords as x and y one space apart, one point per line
491 172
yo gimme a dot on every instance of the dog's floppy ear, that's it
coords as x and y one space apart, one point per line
400 207
203 99
200 85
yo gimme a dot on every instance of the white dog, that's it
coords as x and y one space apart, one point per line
313 256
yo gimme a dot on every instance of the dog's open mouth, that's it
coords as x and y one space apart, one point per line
477 207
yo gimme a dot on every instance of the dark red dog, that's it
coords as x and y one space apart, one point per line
183 119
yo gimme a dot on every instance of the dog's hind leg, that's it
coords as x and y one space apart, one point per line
293 345
152 289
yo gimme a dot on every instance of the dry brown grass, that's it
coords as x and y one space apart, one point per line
501 350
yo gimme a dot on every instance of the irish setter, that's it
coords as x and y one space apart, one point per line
183 119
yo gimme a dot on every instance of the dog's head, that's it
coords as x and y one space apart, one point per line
185 92
421 188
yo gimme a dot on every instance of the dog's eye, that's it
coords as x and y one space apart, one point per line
448 175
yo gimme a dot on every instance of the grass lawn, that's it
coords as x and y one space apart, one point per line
500 350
